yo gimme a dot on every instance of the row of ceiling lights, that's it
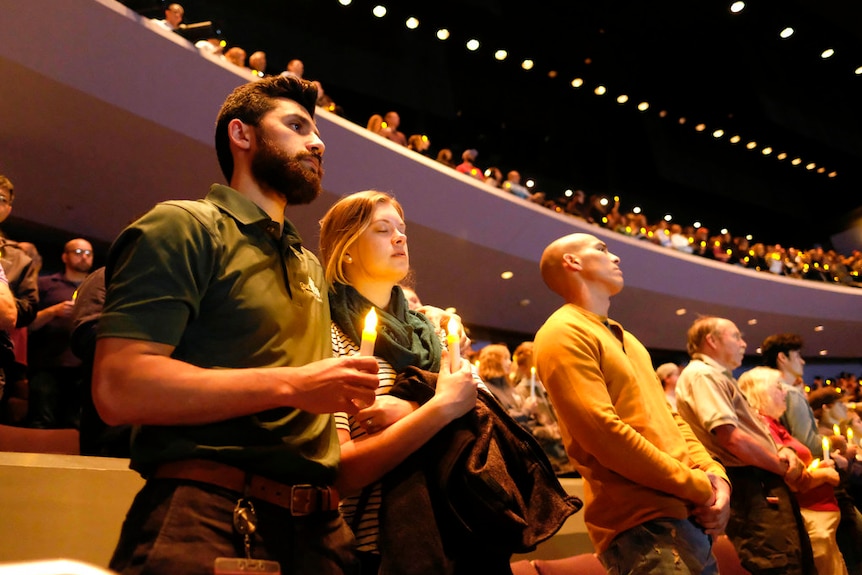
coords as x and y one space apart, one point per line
474 44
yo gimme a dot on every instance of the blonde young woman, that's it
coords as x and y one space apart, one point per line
363 248
766 394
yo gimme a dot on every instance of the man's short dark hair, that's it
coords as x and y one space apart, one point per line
779 343
250 102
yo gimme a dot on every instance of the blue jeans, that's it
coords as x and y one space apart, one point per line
179 528
675 546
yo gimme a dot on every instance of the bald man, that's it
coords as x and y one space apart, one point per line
55 372
653 493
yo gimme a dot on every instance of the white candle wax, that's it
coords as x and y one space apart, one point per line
369 334
453 342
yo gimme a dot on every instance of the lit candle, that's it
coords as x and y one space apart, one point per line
533 382
814 464
835 429
454 343
826 449
369 334
74 295
849 436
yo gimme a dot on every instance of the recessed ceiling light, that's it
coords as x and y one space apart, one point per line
507 275
681 311
752 322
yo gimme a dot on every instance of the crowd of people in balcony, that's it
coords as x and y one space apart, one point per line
812 263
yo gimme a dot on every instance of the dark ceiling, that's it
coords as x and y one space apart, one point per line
692 60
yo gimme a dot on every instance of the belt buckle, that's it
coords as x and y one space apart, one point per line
302 499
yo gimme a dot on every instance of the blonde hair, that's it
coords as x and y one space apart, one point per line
343 224
755 384
492 361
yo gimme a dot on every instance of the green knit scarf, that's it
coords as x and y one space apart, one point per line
404 337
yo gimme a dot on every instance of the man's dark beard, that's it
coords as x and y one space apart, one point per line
273 168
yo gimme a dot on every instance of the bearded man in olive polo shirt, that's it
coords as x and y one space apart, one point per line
214 343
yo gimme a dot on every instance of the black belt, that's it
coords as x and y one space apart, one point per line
303 499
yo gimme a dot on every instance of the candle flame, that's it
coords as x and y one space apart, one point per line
371 321
814 464
533 370
452 329
849 435
835 429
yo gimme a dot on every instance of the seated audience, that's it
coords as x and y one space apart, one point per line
494 177
211 46
375 123
236 56
468 164
418 143
174 14
391 122
257 63
513 185
444 156
678 240
295 67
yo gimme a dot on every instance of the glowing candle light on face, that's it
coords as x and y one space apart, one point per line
369 334
453 340
826 448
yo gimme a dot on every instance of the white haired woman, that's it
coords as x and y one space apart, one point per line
817 502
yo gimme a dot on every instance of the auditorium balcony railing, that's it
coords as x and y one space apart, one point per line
106 114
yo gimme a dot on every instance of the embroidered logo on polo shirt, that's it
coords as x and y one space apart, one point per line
311 288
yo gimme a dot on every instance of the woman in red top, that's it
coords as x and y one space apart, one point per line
766 394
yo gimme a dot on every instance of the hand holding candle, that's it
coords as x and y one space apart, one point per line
453 341
369 334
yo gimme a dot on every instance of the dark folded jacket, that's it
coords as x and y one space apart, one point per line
477 492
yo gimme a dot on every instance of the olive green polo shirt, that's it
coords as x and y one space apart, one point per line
212 278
